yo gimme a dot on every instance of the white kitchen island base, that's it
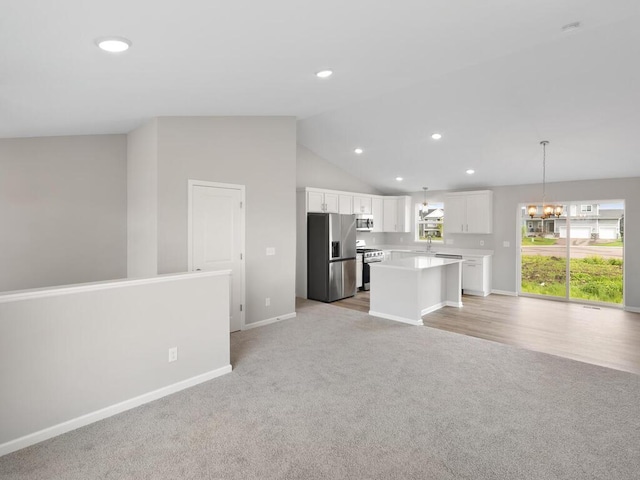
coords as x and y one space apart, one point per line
406 289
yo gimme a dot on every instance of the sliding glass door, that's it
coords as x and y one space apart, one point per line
576 256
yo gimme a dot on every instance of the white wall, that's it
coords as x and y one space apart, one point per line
81 351
142 200
63 208
315 171
258 152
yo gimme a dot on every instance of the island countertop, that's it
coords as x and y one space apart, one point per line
415 263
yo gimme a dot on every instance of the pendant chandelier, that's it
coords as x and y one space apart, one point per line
547 210
424 203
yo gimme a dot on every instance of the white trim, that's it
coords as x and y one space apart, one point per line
632 309
95 286
107 412
450 303
396 318
243 247
268 321
505 292
435 307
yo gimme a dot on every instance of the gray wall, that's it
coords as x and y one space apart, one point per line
315 171
258 152
67 355
63 210
142 201
505 214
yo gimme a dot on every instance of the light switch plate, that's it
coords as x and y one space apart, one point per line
271 251
506 244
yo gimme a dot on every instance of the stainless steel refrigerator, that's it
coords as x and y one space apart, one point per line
331 256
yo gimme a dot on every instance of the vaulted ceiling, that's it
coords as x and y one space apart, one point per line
493 77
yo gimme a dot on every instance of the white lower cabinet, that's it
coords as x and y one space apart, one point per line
476 275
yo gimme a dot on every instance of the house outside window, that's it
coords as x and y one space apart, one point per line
429 222
586 208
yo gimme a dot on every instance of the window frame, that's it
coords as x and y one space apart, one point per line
417 222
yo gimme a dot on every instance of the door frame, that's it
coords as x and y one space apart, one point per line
230 186
567 298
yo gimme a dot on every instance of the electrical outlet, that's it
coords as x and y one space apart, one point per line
267 302
449 241
373 240
173 354
271 251
506 244
401 239
482 243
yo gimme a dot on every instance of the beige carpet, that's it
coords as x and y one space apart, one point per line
336 394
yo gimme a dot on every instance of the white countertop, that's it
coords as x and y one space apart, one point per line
415 263
436 249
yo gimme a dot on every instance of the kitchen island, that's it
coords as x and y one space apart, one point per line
408 288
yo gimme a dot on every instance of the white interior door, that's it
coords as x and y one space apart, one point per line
217 238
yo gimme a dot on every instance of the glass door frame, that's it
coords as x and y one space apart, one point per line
567 297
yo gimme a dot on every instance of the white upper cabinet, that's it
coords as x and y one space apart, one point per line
378 214
362 205
323 202
396 214
345 204
389 214
469 212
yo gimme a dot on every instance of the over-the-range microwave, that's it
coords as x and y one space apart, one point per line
364 222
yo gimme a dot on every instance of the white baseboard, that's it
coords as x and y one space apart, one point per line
59 429
505 292
396 318
433 308
449 303
632 309
268 321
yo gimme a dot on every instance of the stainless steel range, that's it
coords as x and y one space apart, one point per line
369 255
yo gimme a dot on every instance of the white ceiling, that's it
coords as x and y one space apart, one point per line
494 77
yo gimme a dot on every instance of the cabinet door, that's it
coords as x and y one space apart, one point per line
378 214
331 203
472 276
390 214
362 205
315 202
403 220
455 214
345 204
479 213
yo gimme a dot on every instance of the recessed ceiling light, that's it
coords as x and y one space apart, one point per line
324 73
358 151
398 179
570 27
436 136
471 171
113 44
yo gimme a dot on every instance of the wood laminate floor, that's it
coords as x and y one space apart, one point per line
603 336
